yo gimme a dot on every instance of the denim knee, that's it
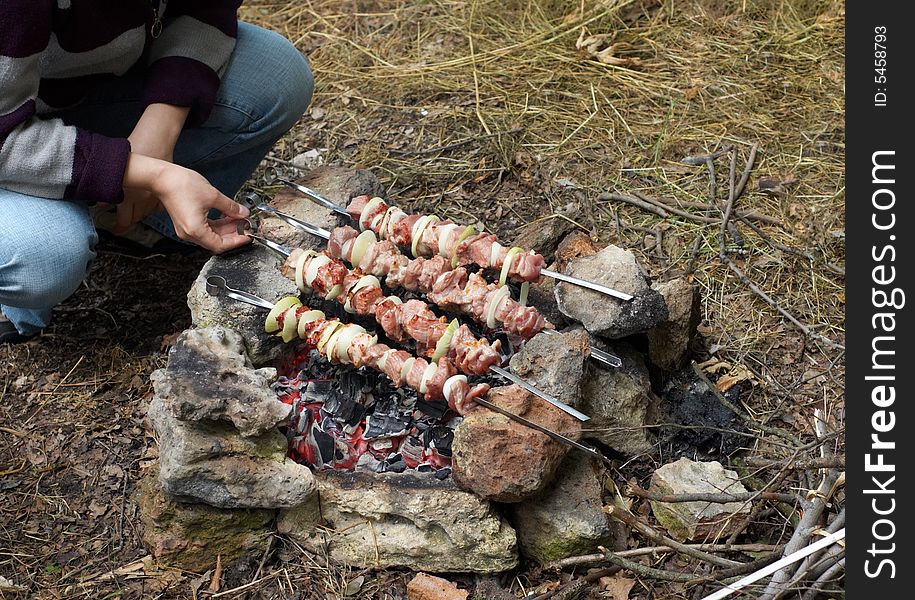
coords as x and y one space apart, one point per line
282 101
41 272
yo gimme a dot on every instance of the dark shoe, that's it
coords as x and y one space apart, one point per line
8 333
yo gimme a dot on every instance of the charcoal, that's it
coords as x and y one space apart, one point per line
325 444
443 474
386 426
440 438
435 409
424 468
318 391
393 464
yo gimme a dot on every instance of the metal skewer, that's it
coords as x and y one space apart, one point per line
549 432
216 286
537 391
596 353
316 197
284 251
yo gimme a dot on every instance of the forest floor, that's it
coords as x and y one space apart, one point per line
500 113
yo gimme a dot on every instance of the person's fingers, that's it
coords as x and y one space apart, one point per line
229 207
124 217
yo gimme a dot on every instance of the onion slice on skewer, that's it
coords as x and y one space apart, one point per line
306 318
282 305
494 302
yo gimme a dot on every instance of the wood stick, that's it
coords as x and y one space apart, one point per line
722 498
586 559
623 515
633 201
806 330
577 585
746 171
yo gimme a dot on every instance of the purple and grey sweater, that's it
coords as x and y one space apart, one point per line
52 52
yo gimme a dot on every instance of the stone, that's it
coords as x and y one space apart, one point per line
209 378
401 520
567 519
544 235
601 314
210 462
620 402
669 341
698 521
502 460
555 363
255 269
428 587
191 536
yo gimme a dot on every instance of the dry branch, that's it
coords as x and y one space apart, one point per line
623 515
715 498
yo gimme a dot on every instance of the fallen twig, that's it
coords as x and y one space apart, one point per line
798 465
587 559
774 567
629 519
806 330
646 206
715 498
578 585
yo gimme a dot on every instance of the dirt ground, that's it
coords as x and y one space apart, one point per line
503 113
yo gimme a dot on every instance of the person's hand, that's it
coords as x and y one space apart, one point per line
187 197
154 135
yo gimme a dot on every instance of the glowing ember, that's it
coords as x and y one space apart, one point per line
345 419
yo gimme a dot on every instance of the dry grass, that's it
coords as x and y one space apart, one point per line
489 111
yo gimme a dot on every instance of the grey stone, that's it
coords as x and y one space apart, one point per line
255 269
191 536
543 236
567 519
620 402
555 363
699 521
669 341
502 460
601 314
210 462
401 520
209 378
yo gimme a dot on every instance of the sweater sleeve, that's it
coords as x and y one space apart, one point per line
185 60
45 157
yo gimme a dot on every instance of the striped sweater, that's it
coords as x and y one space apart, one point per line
52 52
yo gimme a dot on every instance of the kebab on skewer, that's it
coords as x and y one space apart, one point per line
454 290
349 343
361 294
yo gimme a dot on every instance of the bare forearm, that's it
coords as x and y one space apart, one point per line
157 131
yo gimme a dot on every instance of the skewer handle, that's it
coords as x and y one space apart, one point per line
216 286
596 353
587 284
537 391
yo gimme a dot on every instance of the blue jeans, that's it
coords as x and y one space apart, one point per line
47 246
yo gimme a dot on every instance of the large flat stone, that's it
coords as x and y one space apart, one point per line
567 519
699 521
212 463
502 460
191 536
620 402
400 520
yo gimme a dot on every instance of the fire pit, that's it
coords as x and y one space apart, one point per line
378 474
